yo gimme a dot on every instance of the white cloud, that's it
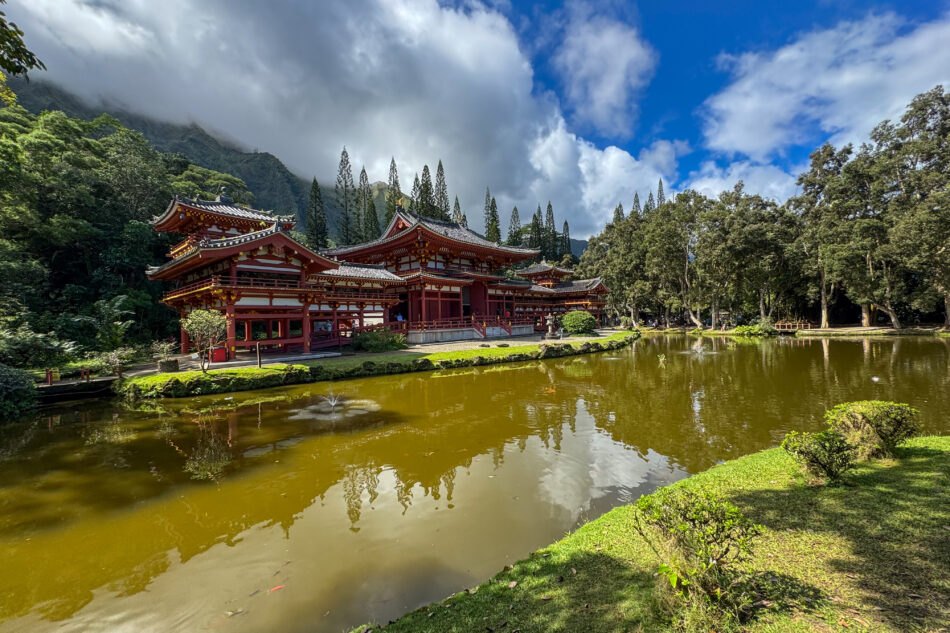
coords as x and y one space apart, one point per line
766 180
836 83
408 78
603 64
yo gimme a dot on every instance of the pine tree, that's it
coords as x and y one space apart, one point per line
457 211
549 235
393 194
535 236
414 202
317 236
346 198
660 198
464 221
426 199
650 205
487 206
514 228
363 197
566 240
618 214
492 229
370 221
635 209
441 193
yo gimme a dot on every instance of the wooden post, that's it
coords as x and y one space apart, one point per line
258 354
307 328
423 301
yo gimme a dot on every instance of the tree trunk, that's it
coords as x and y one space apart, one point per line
762 304
694 318
889 311
946 311
865 315
635 316
824 302
666 316
714 313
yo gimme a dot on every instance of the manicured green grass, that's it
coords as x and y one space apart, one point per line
871 555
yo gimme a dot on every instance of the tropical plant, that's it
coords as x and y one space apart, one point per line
206 329
874 427
825 454
108 320
17 391
378 340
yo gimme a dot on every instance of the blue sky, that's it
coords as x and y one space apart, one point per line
580 102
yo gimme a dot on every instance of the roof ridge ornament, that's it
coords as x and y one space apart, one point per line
223 196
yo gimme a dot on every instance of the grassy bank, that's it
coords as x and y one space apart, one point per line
191 383
871 555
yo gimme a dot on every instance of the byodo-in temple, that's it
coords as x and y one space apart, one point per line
432 280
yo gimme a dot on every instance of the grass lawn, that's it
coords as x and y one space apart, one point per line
871 555
406 357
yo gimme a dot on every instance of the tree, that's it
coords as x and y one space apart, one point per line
566 240
370 221
364 197
346 198
425 203
660 197
457 212
650 204
492 229
535 235
618 214
15 58
206 329
549 235
441 193
393 193
108 320
635 207
317 235
514 228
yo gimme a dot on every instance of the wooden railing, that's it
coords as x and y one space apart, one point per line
221 281
794 325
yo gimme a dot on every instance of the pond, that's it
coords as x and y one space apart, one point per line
288 510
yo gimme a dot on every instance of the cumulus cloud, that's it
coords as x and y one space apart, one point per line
603 64
836 83
408 78
768 181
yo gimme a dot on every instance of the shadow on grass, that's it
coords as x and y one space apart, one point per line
896 522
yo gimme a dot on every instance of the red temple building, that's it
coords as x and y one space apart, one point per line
432 280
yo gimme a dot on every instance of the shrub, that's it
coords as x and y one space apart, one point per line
206 329
381 340
703 543
825 454
164 350
626 323
874 427
113 362
17 391
579 322
759 329
20 346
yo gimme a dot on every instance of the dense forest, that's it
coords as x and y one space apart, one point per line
868 234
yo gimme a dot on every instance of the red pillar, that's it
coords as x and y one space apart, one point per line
232 330
307 327
423 302
185 342
439 309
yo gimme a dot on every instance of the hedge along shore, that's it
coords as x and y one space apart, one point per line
193 383
871 555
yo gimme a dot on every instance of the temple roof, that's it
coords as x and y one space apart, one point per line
362 271
451 230
567 287
543 267
224 207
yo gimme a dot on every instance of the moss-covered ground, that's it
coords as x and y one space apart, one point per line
870 555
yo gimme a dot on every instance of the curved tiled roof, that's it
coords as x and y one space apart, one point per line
451 230
222 207
361 271
543 267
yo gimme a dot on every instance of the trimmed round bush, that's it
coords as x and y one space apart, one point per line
579 322
17 391
381 340
826 454
874 427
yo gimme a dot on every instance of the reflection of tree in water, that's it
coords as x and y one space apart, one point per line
210 455
356 480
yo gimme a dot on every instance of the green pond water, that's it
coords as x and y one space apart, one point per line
273 511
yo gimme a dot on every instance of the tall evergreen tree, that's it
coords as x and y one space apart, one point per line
635 209
566 240
549 236
492 229
426 201
660 197
618 214
457 211
363 197
317 236
514 228
650 204
370 221
488 199
393 194
441 193
414 202
346 198
464 221
535 235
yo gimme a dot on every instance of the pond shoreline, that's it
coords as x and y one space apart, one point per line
822 542
193 383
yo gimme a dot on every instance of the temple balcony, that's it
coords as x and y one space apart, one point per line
325 292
